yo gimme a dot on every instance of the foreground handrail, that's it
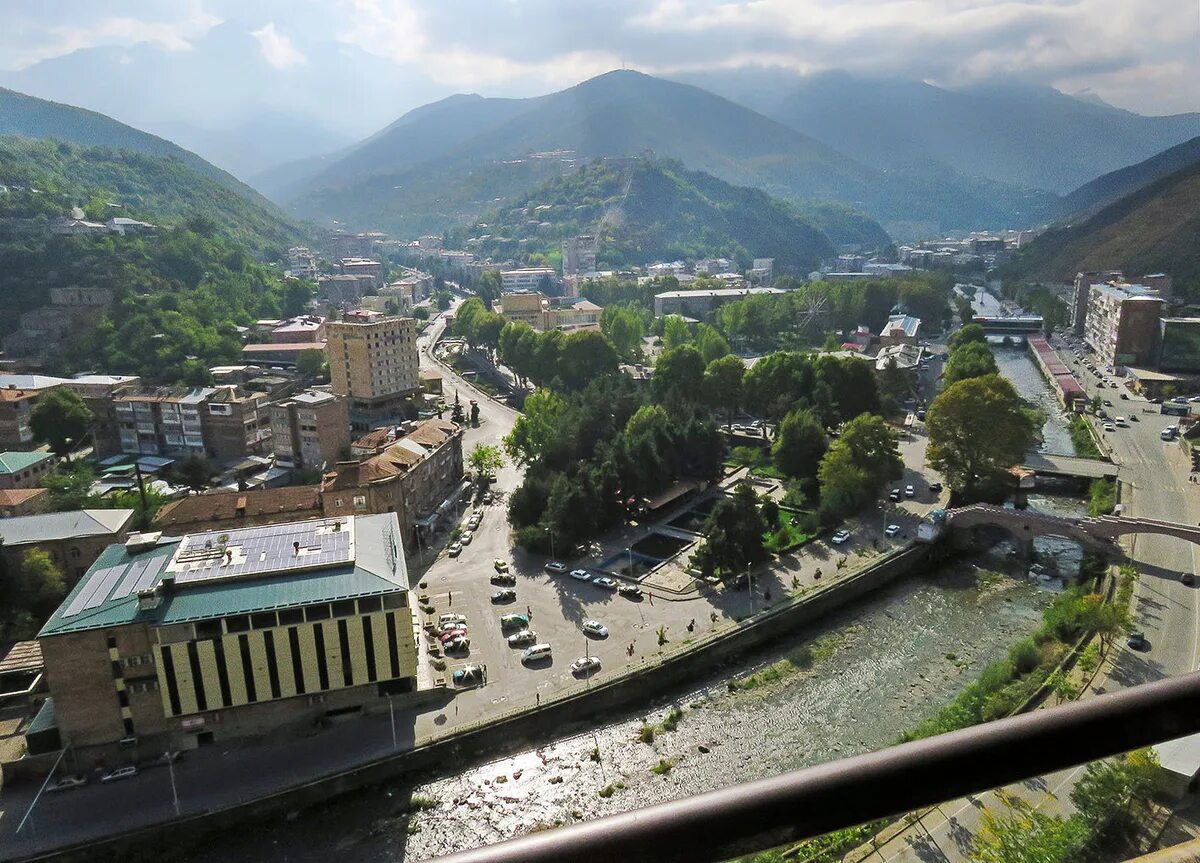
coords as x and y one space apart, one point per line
754 816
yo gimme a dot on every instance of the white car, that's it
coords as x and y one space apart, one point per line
605 582
840 537
120 773
451 617
455 549
585 665
891 530
909 491
596 628
580 575
525 636
555 567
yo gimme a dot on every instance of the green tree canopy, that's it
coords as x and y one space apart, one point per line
734 531
800 442
971 360
624 329
675 332
710 343
969 333
310 363
585 356
679 375
722 384
485 459
978 428
60 419
536 427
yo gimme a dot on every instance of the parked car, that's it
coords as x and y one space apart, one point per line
605 582
466 538
508 595
580 575
891 530
452 626
451 617
514 621
596 628
894 495
459 642
585 665
555 567
1109 427
840 537
454 550
504 579
935 487
525 636
1136 640
537 653
1187 578
68 782
126 772
921 415
501 565
468 675
630 591
909 491
451 634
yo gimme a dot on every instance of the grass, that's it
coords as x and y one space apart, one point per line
758 459
1102 496
646 733
672 720
801 659
662 768
1082 439
789 532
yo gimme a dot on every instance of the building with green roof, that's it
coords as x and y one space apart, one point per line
24 469
171 643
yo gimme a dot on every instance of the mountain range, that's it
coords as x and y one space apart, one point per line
417 167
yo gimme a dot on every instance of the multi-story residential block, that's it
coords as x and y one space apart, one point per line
344 290
24 469
21 392
361 267
578 256
303 329
900 330
236 424
373 363
72 539
172 644
413 477
526 279
302 263
310 430
543 313
1122 324
72 314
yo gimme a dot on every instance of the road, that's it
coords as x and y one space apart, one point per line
1155 476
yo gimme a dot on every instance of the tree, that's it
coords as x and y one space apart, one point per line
968 334
710 343
421 313
800 443
875 446
60 419
311 363
864 457
675 331
485 460
442 298
978 429
70 486
624 329
1104 797
735 529
585 356
678 375
972 360
296 295
1022 834
40 585
489 288
722 384
195 471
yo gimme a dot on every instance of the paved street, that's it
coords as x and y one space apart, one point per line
1156 477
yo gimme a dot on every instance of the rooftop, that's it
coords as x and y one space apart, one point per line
22 656
228 505
17 496
342 558
283 347
717 292
15 462
51 526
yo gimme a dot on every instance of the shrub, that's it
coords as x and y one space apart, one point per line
1025 656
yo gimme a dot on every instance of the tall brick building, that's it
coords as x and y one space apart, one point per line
373 363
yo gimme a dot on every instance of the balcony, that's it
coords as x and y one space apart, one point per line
745 819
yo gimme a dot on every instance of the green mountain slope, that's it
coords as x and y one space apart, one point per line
1155 229
29 117
645 210
109 182
388 180
1104 190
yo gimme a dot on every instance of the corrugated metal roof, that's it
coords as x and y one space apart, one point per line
49 526
15 462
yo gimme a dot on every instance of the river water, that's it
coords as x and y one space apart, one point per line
853 683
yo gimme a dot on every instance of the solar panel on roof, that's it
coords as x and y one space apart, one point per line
104 585
90 587
253 551
147 578
132 573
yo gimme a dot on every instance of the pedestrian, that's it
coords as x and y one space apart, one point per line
538 696
651 595
529 611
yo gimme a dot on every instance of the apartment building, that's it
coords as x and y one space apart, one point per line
362 268
696 304
24 469
236 424
526 279
221 423
16 406
1123 324
543 313
417 477
19 393
172 644
373 363
310 430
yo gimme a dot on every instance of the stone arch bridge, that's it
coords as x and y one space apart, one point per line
1093 534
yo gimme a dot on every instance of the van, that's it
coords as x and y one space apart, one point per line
1169 433
1120 421
536 653
451 618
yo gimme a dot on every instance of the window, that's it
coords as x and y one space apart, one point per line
291 616
369 604
263 620
128 723
316 612
122 698
75 551
343 608
208 629
237 623
112 642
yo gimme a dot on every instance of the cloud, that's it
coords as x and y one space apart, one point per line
277 49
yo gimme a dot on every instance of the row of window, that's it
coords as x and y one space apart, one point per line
291 616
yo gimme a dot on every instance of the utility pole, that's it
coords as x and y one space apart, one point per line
171 770
141 482
392 711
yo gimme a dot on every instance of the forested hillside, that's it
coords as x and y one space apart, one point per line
648 210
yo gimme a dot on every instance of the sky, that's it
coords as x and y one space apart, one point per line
362 63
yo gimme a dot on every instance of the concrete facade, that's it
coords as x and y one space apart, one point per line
24 469
373 361
1122 324
310 429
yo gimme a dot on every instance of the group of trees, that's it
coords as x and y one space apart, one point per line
970 356
806 313
563 361
31 587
